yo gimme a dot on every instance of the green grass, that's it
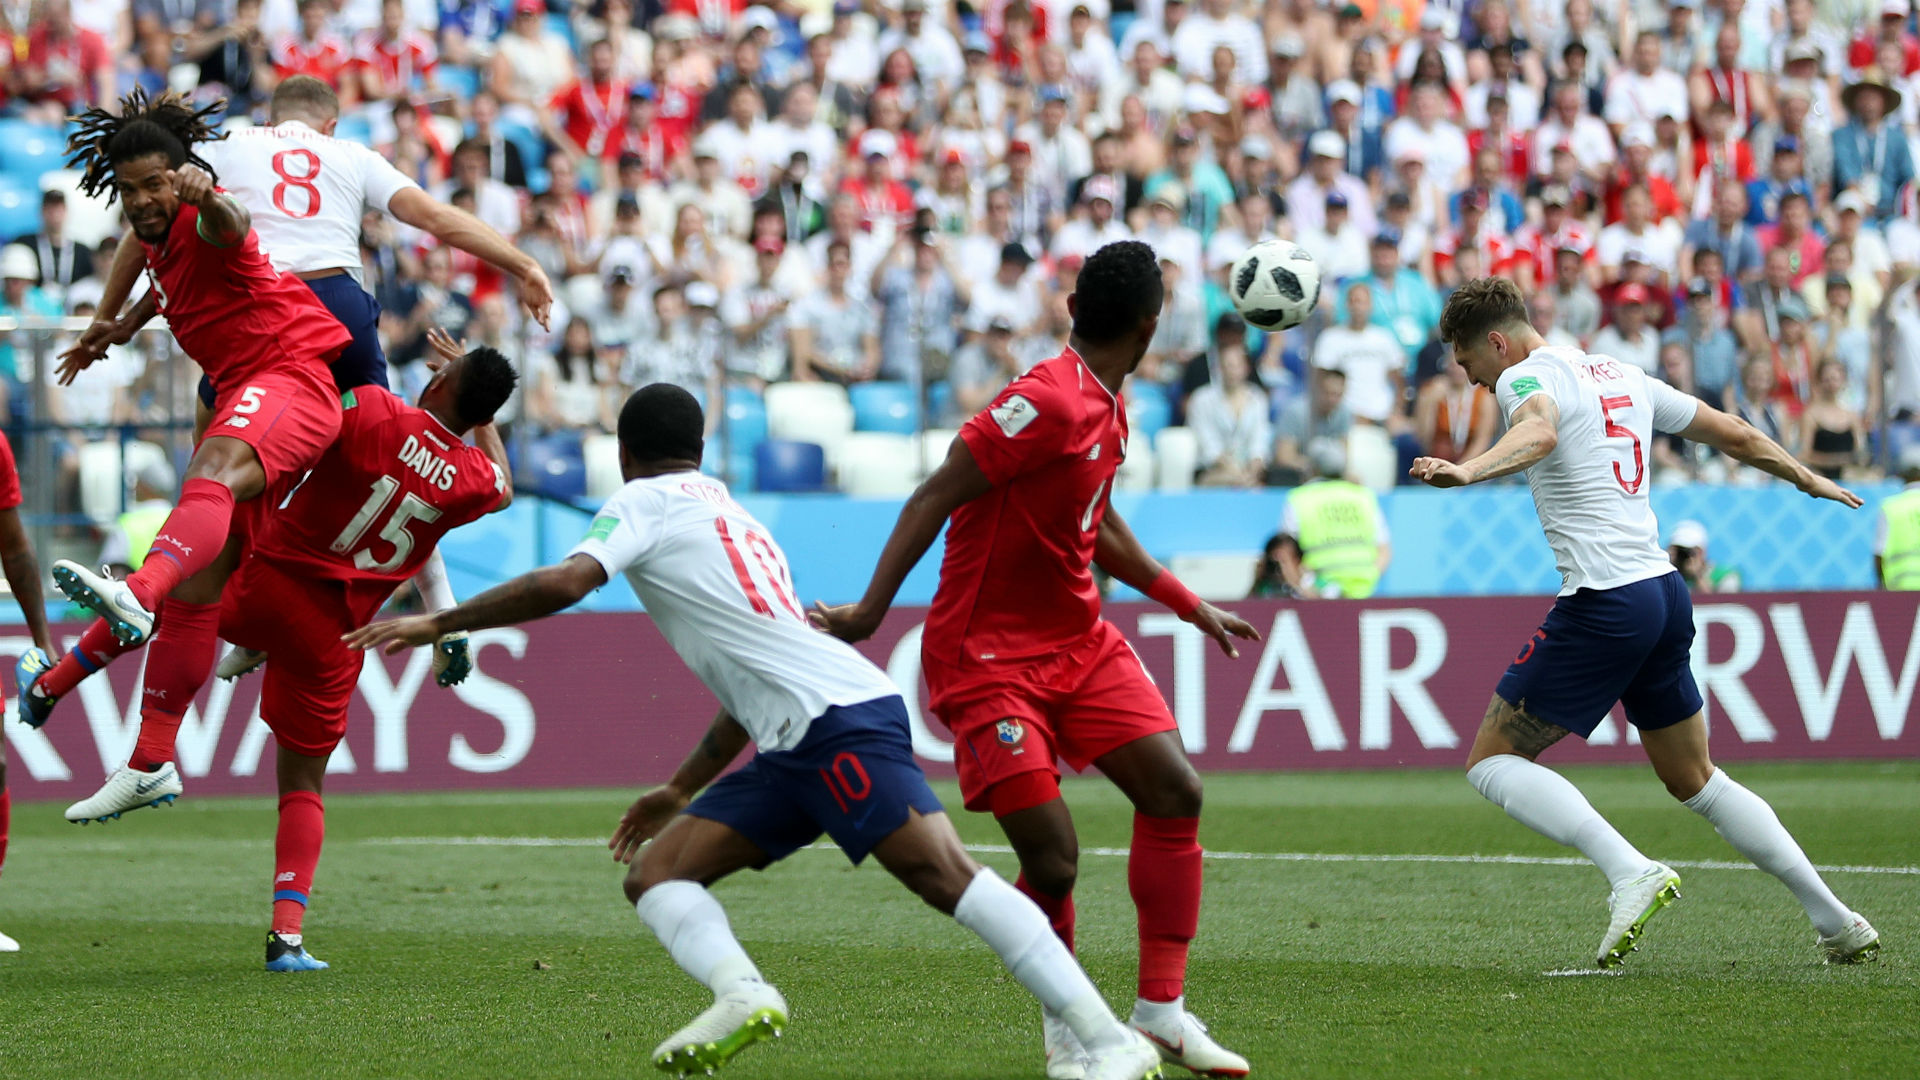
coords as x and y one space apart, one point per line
143 939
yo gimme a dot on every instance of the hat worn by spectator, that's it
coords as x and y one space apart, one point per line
1699 287
528 7
1289 46
706 147
620 274
1201 98
1387 238
1473 199
1888 95
770 245
1637 134
1000 325
1839 281
1255 99
1336 201
1257 148
1895 9
1792 307
1433 18
978 42
762 18
1802 50
1171 195
702 294
1343 90
1019 146
627 203
1688 534
1411 152
1017 254
1100 187
1635 255
1556 195
1352 11
877 143
672 27
1786 144
1690 5
1329 144
913 5
17 263
1052 93
1849 200
1630 293
1183 136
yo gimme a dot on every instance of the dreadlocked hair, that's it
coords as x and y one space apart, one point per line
168 124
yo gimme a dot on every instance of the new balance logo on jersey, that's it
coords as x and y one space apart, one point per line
238 421
1013 415
1094 454
284 875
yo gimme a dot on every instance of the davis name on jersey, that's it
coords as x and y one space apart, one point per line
720 592
1591 490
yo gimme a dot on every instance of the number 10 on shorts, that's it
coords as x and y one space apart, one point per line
848 781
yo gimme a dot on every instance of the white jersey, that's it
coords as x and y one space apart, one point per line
1591 491
719 590
305 191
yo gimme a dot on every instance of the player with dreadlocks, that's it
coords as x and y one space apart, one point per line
265 340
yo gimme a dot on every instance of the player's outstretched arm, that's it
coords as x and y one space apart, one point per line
22 571
724 740
451 225
955 483
1534 434
1734 437
533 595
1120 553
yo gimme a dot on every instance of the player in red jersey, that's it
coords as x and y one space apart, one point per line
22 572
264 339
1023 669
366 519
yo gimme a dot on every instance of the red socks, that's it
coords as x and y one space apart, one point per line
296 851
96 649
178 667
6 823
189 541
1163 874
1059 909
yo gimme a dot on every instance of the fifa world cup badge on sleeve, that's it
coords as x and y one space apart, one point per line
1014 414
1011 734
602 527
1524 385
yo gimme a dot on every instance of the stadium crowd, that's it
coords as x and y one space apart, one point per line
894 197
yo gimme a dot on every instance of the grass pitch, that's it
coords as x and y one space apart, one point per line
456 955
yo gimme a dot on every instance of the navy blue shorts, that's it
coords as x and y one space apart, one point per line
853 777
362 362
1633 644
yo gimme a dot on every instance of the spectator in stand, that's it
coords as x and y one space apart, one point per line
1442 144
495 203
1544 313
571 388
1363 149
57 259
1585 136
584 119
1793 360
620 318
1453 418
57 66
531 64
886 204
1755 400
1891 28
1416 239
983 367
1758 322
1728 233
1309 423
1338 530
1811 135
1687 548
1838 336
1491 182
1636 170
1703 332
1215 24
1403 302
1165 234
1628 338
834 335
503 160
1371 358
1636 235
1228 417
1794 234
1556 231
1096 226
919 296
1637 94
1476 232
235 58
1011 293
1337 244
1326 175
1209 192
1180 337
757 313
1871 155
674 350
468 29
721 201
1833 434
394 60
317 51
1784 177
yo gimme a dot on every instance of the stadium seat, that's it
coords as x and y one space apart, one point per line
746 422
935 444
27 150
1372 460
601 456
784 465
19 206
885 406
814 412
1178 451
89 220
940 402
354 127
1217 575
877 463
461 83
101 488
446 129
1136 472
554 466
1148 410
533 145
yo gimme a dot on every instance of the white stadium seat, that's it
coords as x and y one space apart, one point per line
602 455
1217 575
1179 452
934 445
814 412
1371 458
89 221
1136 472
876 463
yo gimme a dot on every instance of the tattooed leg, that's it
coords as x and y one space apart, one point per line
1510 729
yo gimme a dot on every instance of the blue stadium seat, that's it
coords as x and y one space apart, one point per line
1149 410
19 206
746 419
461 82
533 146
27 150
354 127
790 466
939 401
553 465
1899 438
885 406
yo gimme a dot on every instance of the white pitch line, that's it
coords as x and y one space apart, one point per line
1576 972
1114 852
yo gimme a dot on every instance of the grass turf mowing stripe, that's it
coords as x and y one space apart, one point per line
1225 856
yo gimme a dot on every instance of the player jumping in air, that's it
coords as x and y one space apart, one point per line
305 192
1022 668
368 516
264 339
22 572
1622 628
834 751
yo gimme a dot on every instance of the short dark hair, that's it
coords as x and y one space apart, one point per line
487 379
1483 304
1119 288
303 96
662 422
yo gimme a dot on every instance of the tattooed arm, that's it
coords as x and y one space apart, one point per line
533 595
655 808
1534 434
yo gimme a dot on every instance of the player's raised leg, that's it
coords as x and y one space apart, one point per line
42 686
1743 819
296 853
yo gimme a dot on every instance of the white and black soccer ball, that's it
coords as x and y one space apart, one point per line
1275 285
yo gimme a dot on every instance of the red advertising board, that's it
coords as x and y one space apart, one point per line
600 699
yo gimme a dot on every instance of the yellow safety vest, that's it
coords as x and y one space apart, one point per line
1338 541
141 526
1900 562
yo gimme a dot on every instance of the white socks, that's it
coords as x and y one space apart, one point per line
1550 805
1016 929
1745 820
691 924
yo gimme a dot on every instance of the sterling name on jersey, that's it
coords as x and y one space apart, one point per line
719 590
306 192
1591 491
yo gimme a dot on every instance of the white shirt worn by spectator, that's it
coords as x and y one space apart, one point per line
1590 491
936 56
729 211
1081 237
1229 243
311 221
1176 242
817 139
1369 357
1058 159
1307 202
718 589
1162 94
1633 98
1094 62
1341 254
1222 432
749 155
1018 304
866 249
1660 244
1443 145
493 202
762 355
1591 142
1642 352
1193 44
1523 105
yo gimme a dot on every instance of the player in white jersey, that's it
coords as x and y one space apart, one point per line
1622 627
831 731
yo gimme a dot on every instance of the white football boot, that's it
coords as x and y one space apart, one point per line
1137 1060
1182 1039
1856 943
129 620
128 789
1632 905
239 661
749 1013
1066 1058
7 944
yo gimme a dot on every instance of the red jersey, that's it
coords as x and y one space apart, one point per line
397 63
1498 255
1017 579
71 63
380 498
232 312
9 476
1730 158
1539 246
592 115
324 58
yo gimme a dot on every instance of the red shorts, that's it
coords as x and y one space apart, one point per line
310 674
1078 704
288 417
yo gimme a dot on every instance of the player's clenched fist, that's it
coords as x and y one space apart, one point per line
193 184
1439 472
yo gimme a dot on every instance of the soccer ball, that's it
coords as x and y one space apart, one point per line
1275 285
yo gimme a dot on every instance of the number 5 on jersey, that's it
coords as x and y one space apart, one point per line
1620 431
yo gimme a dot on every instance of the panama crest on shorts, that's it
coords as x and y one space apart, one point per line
1011 734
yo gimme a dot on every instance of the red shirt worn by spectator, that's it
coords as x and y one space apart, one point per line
1516 153
72 63
1808 257
1539 246
1497 250
1732 157
1863 51
1666 202
1734 87
591 115
889 203
324 58
679 111
396 62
